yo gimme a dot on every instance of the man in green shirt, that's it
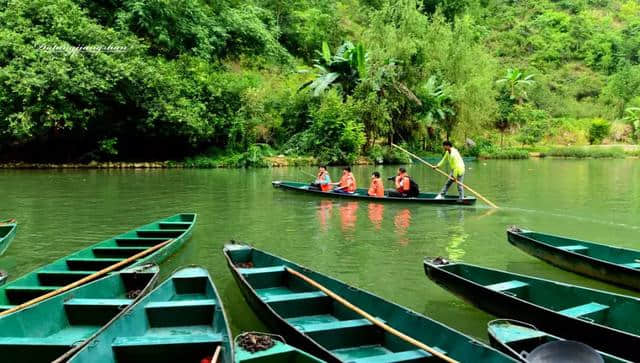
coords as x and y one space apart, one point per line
456 165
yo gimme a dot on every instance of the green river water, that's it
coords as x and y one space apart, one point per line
377 247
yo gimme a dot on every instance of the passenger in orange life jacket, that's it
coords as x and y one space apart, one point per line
323 180
377 188
347 183
405 187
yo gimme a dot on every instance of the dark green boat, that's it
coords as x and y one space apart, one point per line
518 339
83 263
361 194
312 321
182 320
7 232
620 266
44 331
280 352
603 320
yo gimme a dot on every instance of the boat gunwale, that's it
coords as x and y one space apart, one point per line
303 269
4 244
572 253
467 201
498 293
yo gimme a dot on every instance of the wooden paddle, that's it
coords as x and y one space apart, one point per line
371 318
214 359
447 175
84 280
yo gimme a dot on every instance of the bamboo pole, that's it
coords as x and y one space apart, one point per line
372 319
447 175
216 354
84 280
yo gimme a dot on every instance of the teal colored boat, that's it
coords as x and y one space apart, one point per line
182 320
46 330
600 319
362 194
85 262
7 232
280 352
620 266
518 339
312 321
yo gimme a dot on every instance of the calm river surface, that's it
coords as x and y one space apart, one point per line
377 247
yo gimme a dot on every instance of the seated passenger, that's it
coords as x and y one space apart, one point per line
405 187
323 180
347 183
377 188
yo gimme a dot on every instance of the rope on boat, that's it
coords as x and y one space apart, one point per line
371 318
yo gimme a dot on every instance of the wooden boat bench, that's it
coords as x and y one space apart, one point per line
146 341
575 248
582 310
405 356
180 312
633 265
507 286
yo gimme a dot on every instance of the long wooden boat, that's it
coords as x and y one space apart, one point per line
603 320
620 266
312 321
280 352
361 194
518 339
48 329
182 320
75 266
7 232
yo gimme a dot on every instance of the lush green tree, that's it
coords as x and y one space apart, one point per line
517 83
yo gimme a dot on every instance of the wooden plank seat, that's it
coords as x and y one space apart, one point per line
585 309
404 356
152 340
574 248
507 285
261 270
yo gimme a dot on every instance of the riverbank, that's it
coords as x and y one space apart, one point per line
575 152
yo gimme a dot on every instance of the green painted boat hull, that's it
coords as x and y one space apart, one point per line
515 337
312 321
182 320
44 331
603 320
279 353
83 263
620 266
361 194
7 232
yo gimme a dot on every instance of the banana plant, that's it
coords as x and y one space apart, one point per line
345 68
517 83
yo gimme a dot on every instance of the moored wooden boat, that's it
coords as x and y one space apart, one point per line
3 277
361 194
518 339
603 320
620 266
71 268
182 320
46 330
7 232
280 352
312 321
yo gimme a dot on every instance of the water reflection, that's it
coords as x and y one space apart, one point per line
348 216
376 214
401 222
324 213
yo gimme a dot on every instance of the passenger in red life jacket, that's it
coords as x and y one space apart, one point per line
405 187
323 180
347 183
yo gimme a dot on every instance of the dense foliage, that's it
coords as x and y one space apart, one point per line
158 79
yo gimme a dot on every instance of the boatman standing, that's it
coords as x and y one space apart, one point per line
456 165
